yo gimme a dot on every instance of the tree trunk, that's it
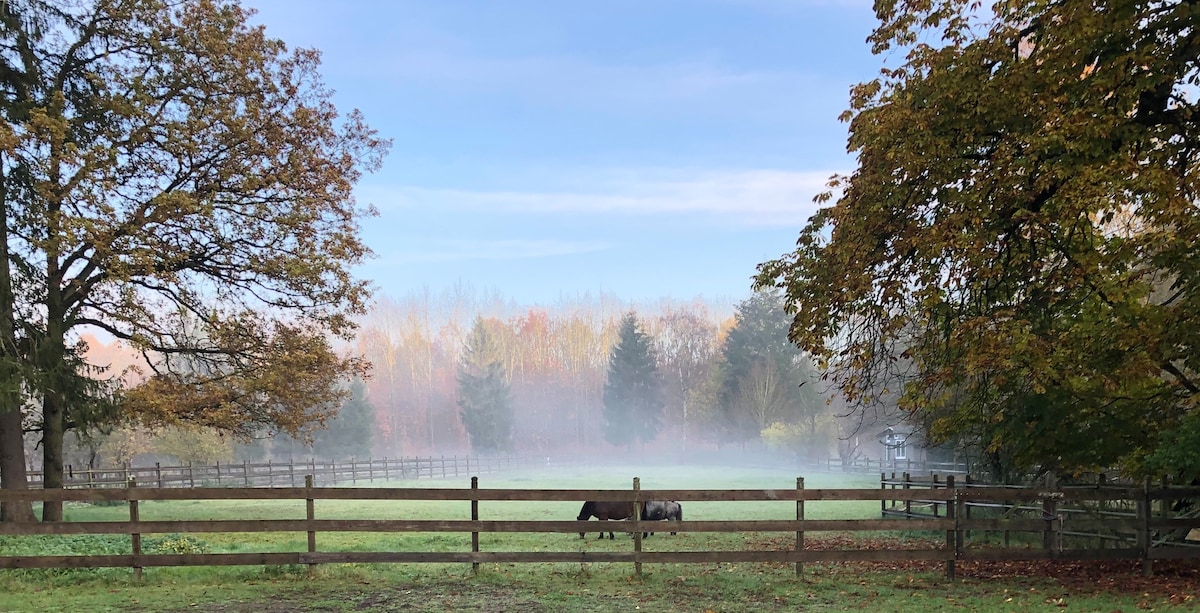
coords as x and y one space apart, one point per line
12 441
12 463
52 454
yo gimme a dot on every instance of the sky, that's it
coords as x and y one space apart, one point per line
551 149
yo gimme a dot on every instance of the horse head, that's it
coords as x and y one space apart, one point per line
585 512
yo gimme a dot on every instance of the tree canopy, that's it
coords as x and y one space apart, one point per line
1020 230
175 178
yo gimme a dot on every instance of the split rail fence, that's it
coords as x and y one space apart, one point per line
1106 515
949 545
292 472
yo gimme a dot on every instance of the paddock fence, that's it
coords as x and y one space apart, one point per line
1100 511
949 542
292 472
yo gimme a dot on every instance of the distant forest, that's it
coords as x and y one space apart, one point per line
724 371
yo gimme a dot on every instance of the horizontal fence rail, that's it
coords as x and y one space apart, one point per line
952 525
292 472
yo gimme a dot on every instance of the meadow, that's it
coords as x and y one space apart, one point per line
547 586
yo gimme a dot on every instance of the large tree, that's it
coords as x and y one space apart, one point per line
632 393
483 390
1022 226
349 434
764 378
686 347
181 181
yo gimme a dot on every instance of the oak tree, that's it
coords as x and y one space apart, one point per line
179 180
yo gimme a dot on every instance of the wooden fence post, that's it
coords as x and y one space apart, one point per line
475 517
1143 534
1050 515
882 501
191 477
934 486
135 538
952 542
907 501
158 474
219 473
292 472
311 514
964 511
637 527
799 517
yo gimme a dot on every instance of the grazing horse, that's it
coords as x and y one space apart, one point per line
656 510
604 511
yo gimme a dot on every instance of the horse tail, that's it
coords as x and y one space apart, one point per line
678 511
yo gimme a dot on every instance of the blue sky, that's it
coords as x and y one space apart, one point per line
554 148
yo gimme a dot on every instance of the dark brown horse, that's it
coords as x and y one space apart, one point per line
604 511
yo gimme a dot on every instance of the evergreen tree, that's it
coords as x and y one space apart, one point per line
632 397
764 378
483 391
348 435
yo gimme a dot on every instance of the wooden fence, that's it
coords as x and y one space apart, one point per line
951 528
292 472
1107 514
869 466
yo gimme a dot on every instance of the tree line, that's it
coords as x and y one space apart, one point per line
585 377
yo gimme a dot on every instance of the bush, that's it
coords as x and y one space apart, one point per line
174 544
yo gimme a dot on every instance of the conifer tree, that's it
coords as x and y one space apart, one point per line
348 435
483 391
764 379
632 396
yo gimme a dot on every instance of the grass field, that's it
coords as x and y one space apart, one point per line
555 587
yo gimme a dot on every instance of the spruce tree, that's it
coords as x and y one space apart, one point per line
348 435
632 397
483 392
764 378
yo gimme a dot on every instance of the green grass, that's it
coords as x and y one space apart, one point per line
525 587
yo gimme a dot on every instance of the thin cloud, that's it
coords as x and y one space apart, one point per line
453 250
687 85
751 197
